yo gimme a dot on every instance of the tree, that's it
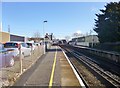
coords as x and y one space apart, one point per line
36 37
77 35
67 38
107 24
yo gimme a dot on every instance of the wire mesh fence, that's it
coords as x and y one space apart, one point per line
8 75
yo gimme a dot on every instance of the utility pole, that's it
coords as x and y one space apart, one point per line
1 27
8 28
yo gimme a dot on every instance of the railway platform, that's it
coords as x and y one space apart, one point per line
52 69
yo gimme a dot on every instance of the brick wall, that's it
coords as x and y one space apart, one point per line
4 37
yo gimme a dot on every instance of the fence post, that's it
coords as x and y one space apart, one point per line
20 56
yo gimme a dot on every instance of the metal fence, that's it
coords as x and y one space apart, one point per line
8 75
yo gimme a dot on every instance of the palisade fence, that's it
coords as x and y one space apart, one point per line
109 46
8 75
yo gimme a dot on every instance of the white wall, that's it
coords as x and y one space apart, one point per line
83 43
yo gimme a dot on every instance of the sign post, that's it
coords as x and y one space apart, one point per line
44 34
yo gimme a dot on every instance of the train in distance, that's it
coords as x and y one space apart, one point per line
59 42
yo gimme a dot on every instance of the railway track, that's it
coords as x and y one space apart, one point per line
108 78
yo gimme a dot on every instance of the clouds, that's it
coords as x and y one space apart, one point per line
78 31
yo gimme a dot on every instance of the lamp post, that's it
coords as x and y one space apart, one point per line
44 34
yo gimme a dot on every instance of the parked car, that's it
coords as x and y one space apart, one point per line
31 45
25 49
37 44
6 56
55 43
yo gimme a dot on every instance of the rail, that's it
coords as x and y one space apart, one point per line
111 80
114 56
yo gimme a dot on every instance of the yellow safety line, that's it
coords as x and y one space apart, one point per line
53 69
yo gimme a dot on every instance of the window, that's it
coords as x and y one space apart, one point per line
11 45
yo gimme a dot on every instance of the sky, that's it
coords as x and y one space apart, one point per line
63 18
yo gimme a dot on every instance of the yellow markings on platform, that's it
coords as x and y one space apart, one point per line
53 70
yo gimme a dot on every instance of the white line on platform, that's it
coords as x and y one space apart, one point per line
75 72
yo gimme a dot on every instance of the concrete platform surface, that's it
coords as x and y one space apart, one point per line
51 69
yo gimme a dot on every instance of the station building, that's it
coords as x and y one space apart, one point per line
6 37
17 38
89 40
